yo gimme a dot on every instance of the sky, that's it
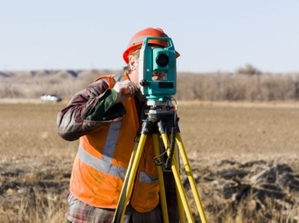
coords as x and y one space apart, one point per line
210 35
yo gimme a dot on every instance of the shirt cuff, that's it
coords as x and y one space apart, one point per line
106 109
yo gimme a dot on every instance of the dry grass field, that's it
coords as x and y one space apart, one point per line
244 157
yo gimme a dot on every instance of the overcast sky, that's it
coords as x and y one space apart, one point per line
210 35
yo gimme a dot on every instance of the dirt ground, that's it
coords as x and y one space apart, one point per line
244 160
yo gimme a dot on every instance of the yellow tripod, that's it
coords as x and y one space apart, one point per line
155 121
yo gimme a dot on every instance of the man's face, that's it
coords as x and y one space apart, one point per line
134 76
159 76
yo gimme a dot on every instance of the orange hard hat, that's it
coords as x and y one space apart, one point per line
137 40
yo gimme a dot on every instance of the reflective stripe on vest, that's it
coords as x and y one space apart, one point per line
104 165
111 141
110 169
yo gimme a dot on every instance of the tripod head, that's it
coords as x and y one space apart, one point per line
158 107
162 119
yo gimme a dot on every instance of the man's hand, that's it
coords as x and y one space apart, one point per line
125 89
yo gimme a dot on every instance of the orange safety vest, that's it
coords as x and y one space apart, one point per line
102 160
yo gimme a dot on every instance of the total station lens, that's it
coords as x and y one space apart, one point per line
162 60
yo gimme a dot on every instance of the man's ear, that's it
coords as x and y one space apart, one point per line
132 63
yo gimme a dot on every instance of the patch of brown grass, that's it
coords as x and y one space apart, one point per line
211 134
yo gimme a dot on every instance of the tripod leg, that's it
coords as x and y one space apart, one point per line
161 180
129 180
179 201
190 177
174 168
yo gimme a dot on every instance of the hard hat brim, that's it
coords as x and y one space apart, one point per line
132 49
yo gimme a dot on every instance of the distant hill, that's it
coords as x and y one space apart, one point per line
63 74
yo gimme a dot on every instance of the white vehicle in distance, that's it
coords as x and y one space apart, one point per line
50 98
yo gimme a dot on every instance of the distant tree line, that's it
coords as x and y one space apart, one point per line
245 84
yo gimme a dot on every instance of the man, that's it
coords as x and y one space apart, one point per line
105 117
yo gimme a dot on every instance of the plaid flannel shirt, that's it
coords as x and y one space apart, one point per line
79 212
